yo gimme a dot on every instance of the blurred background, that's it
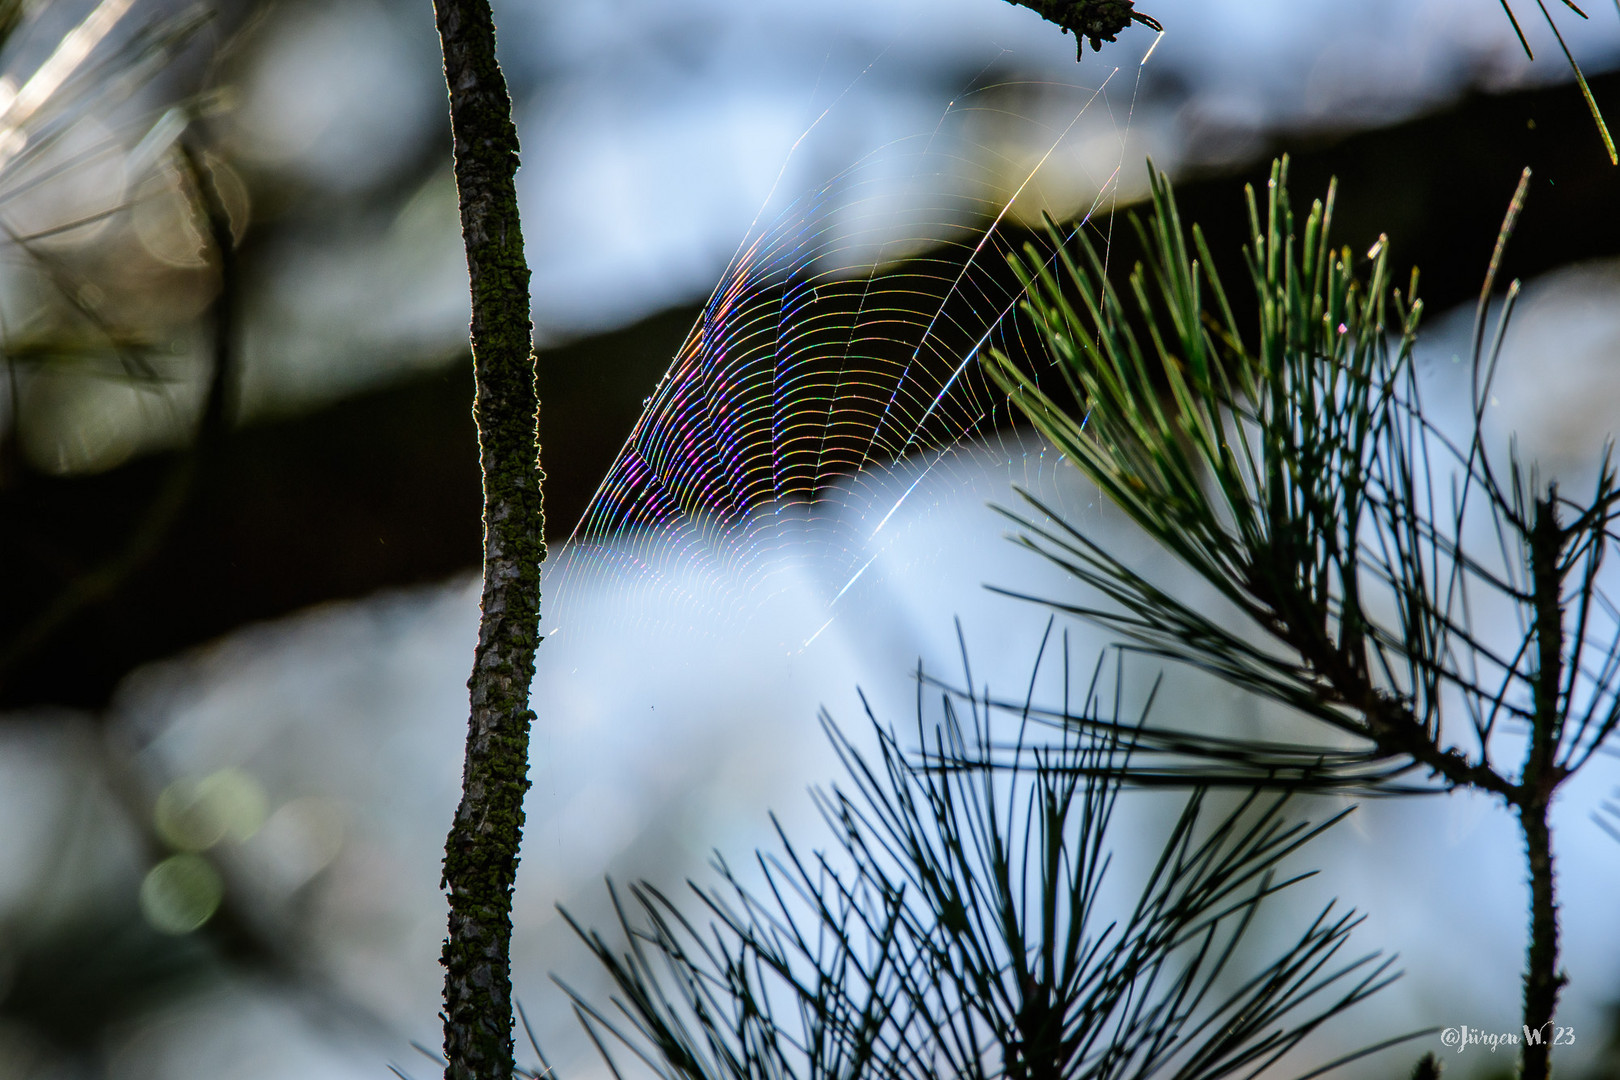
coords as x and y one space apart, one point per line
239 587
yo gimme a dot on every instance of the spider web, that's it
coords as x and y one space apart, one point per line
834 376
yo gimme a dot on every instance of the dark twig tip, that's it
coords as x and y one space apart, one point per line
1427 1068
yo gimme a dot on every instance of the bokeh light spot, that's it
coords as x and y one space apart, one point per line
194 815
181 893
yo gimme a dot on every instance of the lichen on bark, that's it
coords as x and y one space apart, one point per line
481 852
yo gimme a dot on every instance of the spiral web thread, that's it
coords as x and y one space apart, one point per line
834 369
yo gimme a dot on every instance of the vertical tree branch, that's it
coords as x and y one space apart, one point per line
1542 775
481 853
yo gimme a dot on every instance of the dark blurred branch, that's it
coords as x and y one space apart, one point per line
219 408
481 852
381 490
102 580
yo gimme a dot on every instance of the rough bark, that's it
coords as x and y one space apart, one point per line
481 853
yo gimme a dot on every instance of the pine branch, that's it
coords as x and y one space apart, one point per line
956 928
1294 470
481 852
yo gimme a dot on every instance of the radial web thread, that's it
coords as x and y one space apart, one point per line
836 366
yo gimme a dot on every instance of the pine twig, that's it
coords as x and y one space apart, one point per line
481 852
1542 775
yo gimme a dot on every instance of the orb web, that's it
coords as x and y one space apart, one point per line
835 370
